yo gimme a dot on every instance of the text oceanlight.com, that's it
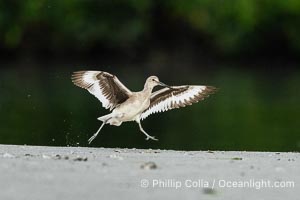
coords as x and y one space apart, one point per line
221 183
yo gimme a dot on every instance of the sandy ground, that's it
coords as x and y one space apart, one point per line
34 172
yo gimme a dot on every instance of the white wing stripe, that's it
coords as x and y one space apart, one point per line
97 92
89 77
175 100
104 86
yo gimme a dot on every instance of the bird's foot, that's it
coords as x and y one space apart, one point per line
151 137
92 138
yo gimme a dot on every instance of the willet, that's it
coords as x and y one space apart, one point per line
136 106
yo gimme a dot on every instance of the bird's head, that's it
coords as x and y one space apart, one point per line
153 81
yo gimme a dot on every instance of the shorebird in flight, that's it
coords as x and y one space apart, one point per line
136 106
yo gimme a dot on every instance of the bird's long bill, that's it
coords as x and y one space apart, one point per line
164 85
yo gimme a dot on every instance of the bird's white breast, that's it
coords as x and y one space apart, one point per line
133 107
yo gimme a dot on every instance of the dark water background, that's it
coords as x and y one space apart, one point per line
253 110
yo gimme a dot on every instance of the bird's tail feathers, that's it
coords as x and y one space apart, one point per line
104 118
110 119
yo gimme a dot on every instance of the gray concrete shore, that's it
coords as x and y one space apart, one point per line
35 172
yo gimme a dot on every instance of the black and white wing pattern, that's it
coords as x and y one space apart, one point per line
106 87
176 97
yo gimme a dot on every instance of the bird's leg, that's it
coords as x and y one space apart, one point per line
148 136
95 135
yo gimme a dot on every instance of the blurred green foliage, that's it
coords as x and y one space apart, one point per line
231 26
74 21
236 24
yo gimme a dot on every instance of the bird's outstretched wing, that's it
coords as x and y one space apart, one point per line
106 87
176 97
